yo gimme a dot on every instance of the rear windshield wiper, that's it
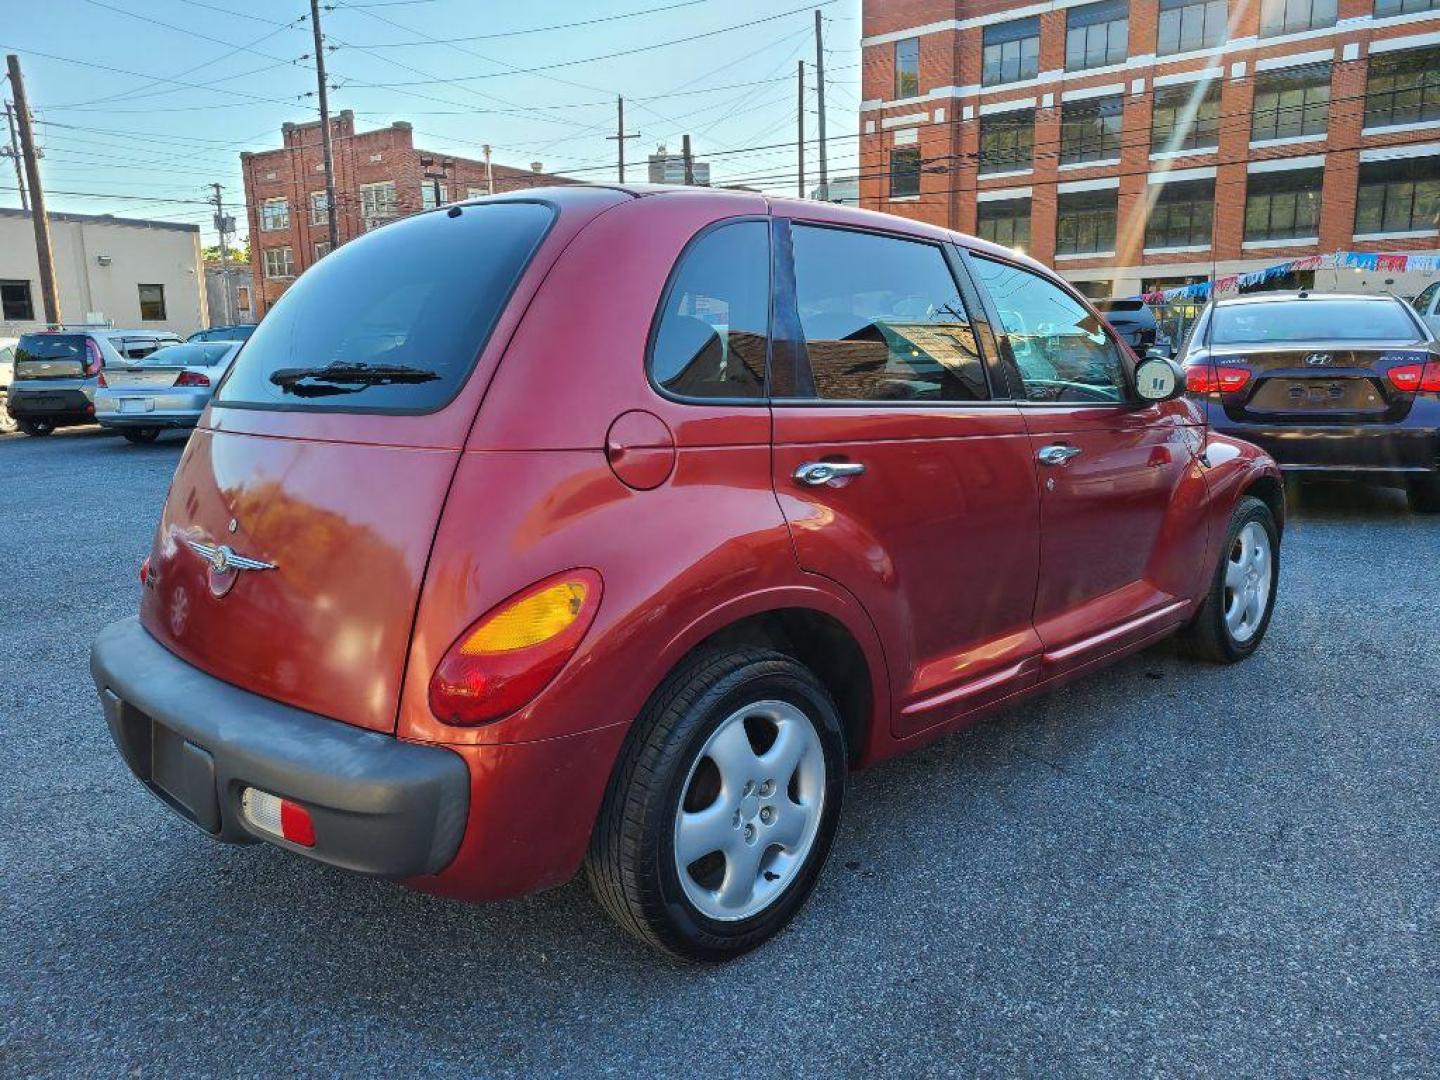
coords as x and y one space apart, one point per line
346 378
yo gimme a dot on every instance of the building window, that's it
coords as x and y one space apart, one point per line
15 301
322 248
904 173
1186 118
1182 215
274 215
1283 205
907 68
1005 221
1403 88
1007 141
152 303
1386 8
1291 102
1398 196
1090 130
242 297
475 193
1012 51
377 201
1292 16
279 262
1097 35
1086 222
319 209
430 197
1190 24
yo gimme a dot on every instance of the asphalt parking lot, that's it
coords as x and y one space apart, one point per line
1171 869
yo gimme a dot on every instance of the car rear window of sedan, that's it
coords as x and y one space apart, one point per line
392 321
1314 319
192 354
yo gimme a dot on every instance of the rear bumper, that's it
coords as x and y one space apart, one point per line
380 806
168 407
56 405
148 420
1362 449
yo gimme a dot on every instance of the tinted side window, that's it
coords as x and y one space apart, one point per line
883 319
1061 349
714 329
1422 302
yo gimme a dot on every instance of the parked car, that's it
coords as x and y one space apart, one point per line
7 375
487 562
58 371
1334 384
1427 304
167 389
238 332
1133 320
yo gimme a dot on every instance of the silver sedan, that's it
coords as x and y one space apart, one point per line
168 389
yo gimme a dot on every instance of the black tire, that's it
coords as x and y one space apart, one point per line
1425 494
631 864
1209 637
36 427
138 436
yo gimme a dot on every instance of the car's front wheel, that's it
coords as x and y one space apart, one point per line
721 813
1235 613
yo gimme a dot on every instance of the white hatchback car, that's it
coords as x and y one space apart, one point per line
167 389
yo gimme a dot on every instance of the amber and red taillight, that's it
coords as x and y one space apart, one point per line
94 361
510 654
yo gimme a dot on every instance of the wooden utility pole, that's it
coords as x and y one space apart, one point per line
620 135
49 294
820 105
13 153
688 160
489 173
800 129
221 227
325 139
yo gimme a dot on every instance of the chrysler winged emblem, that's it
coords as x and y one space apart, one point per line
1318 359
223 557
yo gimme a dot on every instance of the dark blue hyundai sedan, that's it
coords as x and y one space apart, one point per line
1347 385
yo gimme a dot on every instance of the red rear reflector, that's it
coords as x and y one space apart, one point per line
295 824
1204 379
192 378
145 571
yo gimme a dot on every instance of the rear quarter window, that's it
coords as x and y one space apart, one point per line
392 321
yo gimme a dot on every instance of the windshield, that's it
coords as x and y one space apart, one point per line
1315 319
394 320
51 347
193 354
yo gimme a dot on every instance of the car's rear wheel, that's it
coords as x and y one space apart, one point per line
140 435
1425 494
1236 611
36 427
722 810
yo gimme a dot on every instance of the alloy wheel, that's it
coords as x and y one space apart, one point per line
750 809
1248 579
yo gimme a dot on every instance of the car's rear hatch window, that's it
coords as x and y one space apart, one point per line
1313 320
51 356
392 321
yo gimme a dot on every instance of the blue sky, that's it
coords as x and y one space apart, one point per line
168 92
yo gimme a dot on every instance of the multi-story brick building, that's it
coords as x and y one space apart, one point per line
1145 143
379 175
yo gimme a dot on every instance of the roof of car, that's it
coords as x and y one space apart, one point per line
1301 294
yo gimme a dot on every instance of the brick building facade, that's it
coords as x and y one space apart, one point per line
1134 143
379 175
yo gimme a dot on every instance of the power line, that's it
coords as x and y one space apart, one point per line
528 30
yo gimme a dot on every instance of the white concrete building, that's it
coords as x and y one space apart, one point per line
132 273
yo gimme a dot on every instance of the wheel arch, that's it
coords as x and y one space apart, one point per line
1269 489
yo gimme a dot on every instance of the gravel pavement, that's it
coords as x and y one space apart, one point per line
1170 869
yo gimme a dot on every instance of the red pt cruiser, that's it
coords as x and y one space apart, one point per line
611 527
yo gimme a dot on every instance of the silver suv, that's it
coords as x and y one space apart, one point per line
57 372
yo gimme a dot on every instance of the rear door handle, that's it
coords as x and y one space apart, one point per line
1056 454
816 473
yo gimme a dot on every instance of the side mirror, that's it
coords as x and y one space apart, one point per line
1158 378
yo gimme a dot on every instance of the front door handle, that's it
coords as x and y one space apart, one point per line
816 473
1056 454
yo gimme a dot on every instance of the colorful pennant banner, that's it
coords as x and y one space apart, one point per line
1358 260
